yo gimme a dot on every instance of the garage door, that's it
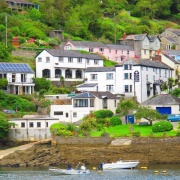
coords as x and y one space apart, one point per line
164 110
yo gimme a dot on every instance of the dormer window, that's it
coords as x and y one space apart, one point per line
79 60
70 59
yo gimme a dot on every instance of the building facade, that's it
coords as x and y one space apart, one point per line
19 76
54 63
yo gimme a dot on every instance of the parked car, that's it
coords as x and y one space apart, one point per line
173 117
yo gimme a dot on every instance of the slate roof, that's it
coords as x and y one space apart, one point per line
146 63
120 47
87 85
72 53
16 67
171 58
100 69
88 44
83 95
171 40
136 37
175 31
153 38
101 94
98 94
19 1
163 99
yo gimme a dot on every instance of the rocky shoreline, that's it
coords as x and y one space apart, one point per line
93 151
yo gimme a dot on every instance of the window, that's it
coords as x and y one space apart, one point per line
3 76
23 77
23 124
128 88
109 88
74 114
125 75
31 124
38 124
147 77
61 59
109 50
80 103
127 66
146 68
70 60
105 103
96 62
168 47
141 67
47 124
144 51
122 52
67 115
116 51
91 50
13 77
68 47
79 60
154 69
127 52
154 77
91 102
116 59
39 59
165 73
109 76
159 72
47 59
88 61
58 112
101 49
93 76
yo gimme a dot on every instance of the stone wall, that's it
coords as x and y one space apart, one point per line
24 53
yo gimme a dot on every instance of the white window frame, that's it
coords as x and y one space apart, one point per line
109 76
39 59
94 77
47 59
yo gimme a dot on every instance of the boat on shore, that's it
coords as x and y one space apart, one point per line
120 164
69 171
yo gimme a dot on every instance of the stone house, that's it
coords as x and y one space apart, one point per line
144 46
171 39
19 76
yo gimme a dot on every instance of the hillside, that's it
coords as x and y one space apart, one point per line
104 21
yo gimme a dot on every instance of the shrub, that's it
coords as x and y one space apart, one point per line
136 133
44 103
103 113
178 133
115 120
162 126
71 127
99 127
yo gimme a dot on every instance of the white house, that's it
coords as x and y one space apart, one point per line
54 63
99 79
19 76
31 129
141 78
132 78
83 104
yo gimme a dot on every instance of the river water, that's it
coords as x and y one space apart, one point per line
164 172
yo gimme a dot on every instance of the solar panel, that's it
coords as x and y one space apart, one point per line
10 67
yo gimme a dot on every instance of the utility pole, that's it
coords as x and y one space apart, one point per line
6 28
114 29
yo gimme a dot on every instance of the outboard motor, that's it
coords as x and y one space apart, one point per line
100 165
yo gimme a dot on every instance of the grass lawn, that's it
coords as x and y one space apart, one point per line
125 130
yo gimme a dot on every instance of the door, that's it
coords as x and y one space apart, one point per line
164 110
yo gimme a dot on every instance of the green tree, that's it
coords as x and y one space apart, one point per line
147 113
4 126
3 83
125 106
4 53
35 14
41 83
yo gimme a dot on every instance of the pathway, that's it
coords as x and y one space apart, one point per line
22 147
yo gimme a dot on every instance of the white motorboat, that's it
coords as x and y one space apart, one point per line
120 164
69 171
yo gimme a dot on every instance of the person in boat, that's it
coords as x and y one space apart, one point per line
83 168
69 166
